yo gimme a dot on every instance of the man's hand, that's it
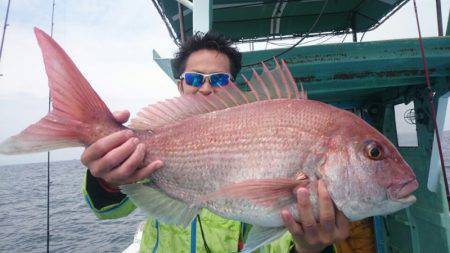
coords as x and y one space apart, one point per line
116 158
311 236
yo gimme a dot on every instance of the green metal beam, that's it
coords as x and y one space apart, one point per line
353 67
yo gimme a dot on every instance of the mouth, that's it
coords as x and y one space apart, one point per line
403 192
407 200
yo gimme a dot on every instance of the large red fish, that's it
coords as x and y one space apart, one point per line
238 154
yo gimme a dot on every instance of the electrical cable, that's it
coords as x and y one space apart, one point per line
203 235
327 39
360 40
344 38
299 41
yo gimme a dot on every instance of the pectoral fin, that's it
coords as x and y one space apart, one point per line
273 193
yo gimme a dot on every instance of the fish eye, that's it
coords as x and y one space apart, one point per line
374 151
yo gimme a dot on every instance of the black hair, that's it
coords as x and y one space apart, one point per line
212 41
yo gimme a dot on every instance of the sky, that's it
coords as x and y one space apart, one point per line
111 42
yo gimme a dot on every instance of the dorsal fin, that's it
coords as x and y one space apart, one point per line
271 84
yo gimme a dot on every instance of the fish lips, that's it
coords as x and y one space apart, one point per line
403 192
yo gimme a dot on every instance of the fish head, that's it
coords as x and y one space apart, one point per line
365 174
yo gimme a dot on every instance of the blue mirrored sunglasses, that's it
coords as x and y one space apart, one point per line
198 79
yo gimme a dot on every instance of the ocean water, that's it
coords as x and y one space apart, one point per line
73 227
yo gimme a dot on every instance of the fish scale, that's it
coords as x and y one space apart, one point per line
271 151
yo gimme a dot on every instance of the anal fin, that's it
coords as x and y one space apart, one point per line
159 205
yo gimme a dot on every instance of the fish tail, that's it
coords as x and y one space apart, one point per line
79 116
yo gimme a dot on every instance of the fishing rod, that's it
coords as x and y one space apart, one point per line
48 152
4 28
431 102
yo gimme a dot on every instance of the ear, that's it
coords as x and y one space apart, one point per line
180 86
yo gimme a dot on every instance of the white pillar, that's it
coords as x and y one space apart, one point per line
202 16
435 171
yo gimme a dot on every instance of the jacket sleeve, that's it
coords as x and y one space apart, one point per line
104 204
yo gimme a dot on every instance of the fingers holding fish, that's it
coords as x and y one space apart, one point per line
120 163
113 158
333 223
121 116
342 226
305 211
310 235
326 212
294 228
145 172
103 146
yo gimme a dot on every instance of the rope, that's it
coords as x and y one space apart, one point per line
48 153
431 101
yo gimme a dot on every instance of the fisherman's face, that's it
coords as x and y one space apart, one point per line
205 62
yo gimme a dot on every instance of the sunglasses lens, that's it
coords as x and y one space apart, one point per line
219 79
194 79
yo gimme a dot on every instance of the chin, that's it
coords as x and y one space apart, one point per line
376 209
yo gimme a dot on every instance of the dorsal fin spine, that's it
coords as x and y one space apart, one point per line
204 104
189 100
163 107
224 98
263 84
224 103
283 79
151 113
178 103
239 92
291 78
272 80
252 88
162 114
210 103
230 96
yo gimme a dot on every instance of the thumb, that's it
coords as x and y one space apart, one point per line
122 116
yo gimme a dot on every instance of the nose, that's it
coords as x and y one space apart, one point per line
206 88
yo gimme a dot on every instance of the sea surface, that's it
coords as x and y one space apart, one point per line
73 227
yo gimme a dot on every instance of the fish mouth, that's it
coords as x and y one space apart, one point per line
403 192
407 200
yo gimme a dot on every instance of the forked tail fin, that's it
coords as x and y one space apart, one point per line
79 116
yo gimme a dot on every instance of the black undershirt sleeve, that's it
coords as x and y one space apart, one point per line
100 197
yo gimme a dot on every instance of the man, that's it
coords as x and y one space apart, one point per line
204 64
